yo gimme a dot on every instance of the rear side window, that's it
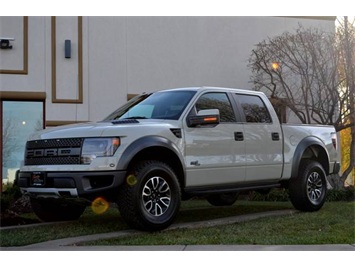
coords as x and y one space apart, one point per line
254 109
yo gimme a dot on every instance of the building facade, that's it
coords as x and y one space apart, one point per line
62 70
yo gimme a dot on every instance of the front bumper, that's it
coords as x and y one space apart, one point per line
87 185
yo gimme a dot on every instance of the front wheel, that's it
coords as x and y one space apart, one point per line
150 198
308 190
49 210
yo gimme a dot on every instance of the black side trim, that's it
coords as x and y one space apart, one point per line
229 188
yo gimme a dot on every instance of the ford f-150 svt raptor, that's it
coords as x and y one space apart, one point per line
167 146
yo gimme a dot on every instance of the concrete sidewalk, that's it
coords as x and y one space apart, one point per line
78 243
190 248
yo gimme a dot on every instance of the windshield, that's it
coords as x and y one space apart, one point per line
159 105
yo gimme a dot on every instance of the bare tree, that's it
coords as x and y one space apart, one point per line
9 146
309 72
346 44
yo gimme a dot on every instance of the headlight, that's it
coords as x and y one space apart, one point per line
98 147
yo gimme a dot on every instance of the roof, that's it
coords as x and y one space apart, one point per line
207 88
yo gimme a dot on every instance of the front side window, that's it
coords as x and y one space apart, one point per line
217 100
159 105
254 109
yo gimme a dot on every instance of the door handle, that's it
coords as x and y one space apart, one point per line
275 136
238 136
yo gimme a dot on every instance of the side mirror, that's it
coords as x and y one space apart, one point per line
204 117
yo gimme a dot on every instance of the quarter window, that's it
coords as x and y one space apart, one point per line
254 109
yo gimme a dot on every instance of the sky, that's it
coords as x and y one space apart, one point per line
179 7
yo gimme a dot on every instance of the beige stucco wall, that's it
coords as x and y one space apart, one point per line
116 56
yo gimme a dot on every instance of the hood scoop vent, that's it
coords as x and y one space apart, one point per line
125 121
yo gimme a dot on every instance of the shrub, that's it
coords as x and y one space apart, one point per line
281 194
9 196
347 194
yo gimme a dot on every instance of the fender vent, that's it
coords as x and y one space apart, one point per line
176 132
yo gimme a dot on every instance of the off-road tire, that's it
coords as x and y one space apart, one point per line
150 198
308 190
48 210
225 199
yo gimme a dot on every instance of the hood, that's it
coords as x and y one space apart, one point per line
71 131
99 129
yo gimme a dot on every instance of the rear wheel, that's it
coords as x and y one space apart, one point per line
49 210
308 190
225 199
150 198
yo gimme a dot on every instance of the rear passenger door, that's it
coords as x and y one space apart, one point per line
263 140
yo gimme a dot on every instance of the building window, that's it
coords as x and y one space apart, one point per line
20 119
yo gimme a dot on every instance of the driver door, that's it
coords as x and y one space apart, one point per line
215 154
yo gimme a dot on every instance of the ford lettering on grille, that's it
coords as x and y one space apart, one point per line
63 151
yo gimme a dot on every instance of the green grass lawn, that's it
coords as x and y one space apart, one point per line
333 224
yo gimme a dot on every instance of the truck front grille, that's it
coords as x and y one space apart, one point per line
53 151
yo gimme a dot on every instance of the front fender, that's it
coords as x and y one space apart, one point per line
146 142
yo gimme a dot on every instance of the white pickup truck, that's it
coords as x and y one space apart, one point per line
164 147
